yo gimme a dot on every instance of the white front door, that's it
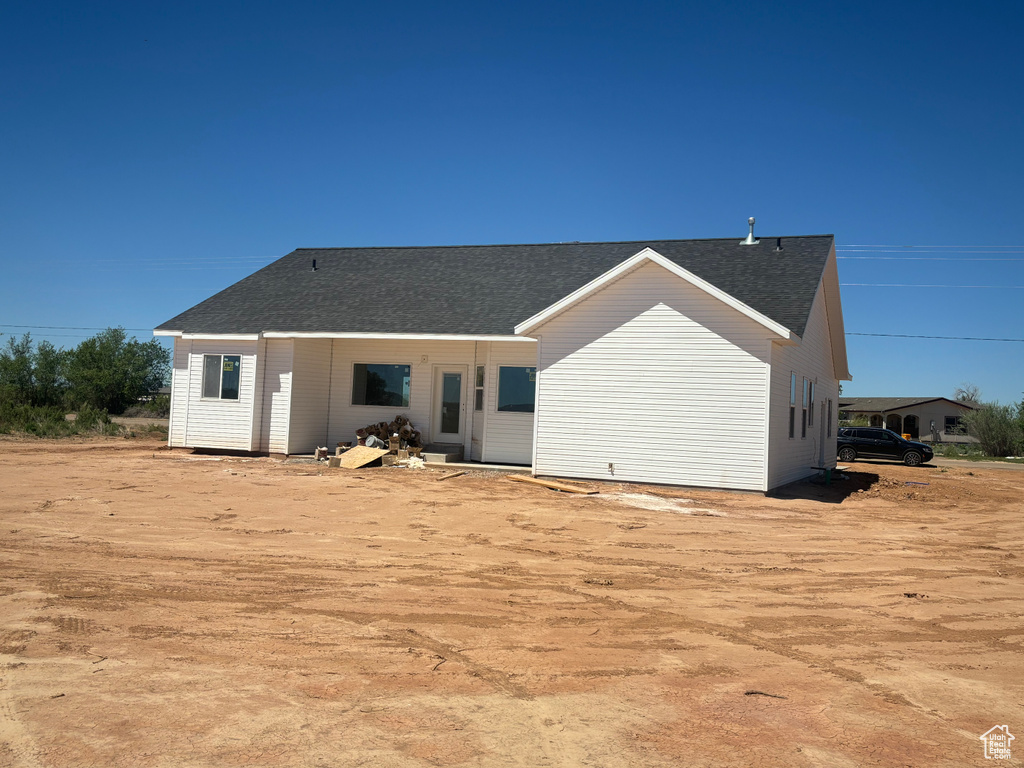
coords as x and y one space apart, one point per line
449 413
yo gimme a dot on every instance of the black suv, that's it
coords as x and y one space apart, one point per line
875 443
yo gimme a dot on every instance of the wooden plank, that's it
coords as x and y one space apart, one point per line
550 484
360 456
453 474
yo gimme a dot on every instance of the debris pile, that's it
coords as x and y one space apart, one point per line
408 435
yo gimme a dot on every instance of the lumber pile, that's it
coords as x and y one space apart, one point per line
385 430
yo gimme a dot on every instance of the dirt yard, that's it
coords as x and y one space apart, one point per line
164 609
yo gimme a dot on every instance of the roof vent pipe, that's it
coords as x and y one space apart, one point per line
778 243
314 266
751 240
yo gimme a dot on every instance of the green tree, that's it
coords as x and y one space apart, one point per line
16 370
48 383
110 372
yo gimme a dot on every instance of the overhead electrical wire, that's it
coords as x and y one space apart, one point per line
914 336
67 327
921 258
920 285
890 245
1000 253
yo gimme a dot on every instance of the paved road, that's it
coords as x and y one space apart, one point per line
943 462
939 461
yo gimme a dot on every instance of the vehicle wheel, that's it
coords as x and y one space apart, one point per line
847 454
912 458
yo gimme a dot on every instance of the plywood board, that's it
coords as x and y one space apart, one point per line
360 456
550 484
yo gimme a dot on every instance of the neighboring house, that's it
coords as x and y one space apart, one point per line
929 419
692 362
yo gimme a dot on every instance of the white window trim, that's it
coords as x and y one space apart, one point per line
792 405
480 389
220 384
803 413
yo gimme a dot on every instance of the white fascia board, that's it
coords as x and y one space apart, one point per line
167 333
834 316
385 336
221 336
648 254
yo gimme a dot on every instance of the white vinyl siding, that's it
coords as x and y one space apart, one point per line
421 356
795 459
277 391
225 424
311 378
260 376
179 393
479 417
657 378
508 436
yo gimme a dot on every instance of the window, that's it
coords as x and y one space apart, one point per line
386 385
792 405
810 399
220 376
954 426
828 424
517 388
803 417
479 388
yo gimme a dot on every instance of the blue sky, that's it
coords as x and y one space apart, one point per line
152 154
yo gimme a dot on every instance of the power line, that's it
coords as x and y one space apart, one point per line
922 258
67 327
912 336
917 285
61 335
862 245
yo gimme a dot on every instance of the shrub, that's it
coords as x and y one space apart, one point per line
50 421
999 428
157 408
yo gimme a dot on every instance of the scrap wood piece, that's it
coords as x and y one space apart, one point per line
453 474
762 693
550 484
360 456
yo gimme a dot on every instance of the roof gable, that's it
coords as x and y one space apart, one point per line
490 289
647 255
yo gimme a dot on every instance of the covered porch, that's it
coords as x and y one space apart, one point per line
475 394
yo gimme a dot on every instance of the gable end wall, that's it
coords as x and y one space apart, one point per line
658 379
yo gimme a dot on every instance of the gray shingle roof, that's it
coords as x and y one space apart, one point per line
488 289
884 404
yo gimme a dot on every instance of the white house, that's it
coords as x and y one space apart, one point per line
693 362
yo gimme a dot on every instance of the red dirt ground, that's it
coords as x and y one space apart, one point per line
163 609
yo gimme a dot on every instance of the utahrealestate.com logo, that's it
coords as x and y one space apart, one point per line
997 742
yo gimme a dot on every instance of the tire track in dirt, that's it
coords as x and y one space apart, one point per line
671 620
15 741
